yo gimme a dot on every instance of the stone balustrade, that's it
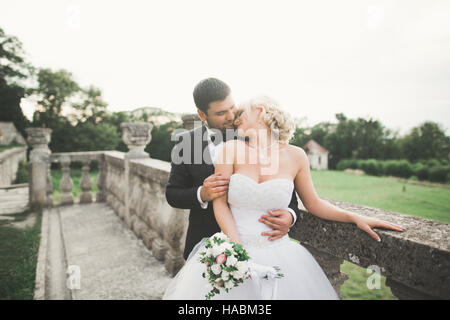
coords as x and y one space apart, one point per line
9 163
416 262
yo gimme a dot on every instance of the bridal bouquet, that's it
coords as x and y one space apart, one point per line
227 265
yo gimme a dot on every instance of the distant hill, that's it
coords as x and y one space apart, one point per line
155 115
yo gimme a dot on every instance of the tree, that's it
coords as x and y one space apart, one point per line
427 141
14 69
92 108
53 91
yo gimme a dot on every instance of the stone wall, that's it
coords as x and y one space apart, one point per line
416 262
139 199
9 163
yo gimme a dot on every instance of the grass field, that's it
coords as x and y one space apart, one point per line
18 257
385 193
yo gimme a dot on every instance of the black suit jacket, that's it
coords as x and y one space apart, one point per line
185 178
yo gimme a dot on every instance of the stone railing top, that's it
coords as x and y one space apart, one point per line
78 156
418 257
11 151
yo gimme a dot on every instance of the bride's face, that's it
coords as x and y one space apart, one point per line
246 120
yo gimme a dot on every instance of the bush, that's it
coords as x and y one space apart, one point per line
423 173
398 168
432 163
371 167
347 164
439 173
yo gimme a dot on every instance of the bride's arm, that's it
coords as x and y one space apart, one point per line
222 212
324 209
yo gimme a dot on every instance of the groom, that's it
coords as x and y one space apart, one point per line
192 182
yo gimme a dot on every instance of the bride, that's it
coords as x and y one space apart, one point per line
263 171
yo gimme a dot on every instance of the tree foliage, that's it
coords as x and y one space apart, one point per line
14 70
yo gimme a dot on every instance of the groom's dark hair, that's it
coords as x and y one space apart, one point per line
210 90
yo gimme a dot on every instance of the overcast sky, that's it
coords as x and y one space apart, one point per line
389 60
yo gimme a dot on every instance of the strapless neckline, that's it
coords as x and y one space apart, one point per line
259 183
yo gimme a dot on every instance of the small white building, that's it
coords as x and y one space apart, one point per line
317 155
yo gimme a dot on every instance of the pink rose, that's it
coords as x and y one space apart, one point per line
207 263
221 258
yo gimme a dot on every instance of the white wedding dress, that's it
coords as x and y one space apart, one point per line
248 200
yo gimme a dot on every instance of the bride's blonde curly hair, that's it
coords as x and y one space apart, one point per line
280 122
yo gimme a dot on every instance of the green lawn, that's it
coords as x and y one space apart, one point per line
387 194
18 256
384 193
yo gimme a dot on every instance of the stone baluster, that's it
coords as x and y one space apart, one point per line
101 181
66 184
38 138
85 184
191 121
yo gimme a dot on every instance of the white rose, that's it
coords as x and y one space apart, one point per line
229 284
220 235
238 274
225 275
209 252
209 287
216 250
231 261
226 246
242 266
216 269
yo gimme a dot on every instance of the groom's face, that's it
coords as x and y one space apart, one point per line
220 115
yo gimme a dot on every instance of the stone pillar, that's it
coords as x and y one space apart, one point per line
331 265
191 121
38 138
136 135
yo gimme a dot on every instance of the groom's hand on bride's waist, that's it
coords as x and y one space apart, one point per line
279 220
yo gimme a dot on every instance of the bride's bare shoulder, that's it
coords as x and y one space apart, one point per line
297 154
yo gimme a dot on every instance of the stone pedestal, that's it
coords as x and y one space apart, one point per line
191 121
136 135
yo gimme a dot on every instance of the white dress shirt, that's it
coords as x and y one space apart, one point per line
214 151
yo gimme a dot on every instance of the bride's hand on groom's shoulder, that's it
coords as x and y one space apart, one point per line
279 220
367 223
